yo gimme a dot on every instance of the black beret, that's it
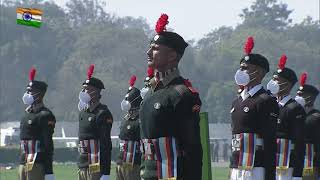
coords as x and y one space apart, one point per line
95 82
309 89
287 74
171 40
134 97
38 85
256 59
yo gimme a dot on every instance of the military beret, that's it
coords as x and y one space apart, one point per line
92 81
285 72
169 39
306 88
255 59
33 84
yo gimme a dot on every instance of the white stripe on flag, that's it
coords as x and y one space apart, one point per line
34 17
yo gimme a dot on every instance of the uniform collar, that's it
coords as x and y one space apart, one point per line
34 108
93 106
284 100
167 76
246 93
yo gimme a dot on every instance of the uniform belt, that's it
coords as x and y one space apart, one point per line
129 149
235 144
284 147
166 153
30 146
30 149
90 147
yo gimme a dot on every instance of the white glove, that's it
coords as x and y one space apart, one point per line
49 177
105 177
296 178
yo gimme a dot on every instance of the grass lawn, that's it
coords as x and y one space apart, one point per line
69 172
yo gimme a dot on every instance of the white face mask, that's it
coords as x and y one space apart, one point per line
27 99
273 86
300 100
144 91
242 77
125 105
84 97
82 106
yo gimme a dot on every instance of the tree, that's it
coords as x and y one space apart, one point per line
266 13
84 12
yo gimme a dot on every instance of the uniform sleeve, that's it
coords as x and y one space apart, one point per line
268 120
316 136
187 114
298 120
48 124
105 125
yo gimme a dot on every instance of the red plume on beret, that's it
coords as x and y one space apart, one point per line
132 80
90 71
32 74
303 79
249 45
150 72
282 62
161 23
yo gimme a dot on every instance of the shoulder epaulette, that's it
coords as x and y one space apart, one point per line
181 88
293 105
189 86
264 96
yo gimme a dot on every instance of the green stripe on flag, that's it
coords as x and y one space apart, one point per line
29 23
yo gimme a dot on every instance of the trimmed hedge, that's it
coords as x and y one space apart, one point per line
61 155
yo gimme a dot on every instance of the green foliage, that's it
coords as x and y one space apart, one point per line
70 40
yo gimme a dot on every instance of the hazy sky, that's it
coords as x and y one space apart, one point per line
194 18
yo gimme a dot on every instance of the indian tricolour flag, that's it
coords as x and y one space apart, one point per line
29 17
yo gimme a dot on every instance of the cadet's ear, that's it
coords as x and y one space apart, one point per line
172 56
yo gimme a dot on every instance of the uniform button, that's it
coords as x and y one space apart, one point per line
29 121
246 109
157 105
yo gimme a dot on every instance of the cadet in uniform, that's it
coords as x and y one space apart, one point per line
306 96
130 155
36 129
95 122
169 113
254 114
290 123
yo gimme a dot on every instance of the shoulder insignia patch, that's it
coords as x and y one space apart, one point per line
196 108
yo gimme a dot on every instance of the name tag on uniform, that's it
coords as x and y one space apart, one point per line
94 168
